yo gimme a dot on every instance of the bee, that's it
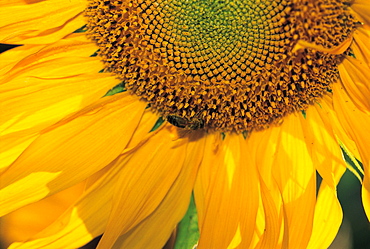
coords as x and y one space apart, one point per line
193 123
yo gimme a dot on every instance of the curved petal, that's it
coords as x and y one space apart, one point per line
355 77
273 218
73 46
339 132
40 23
84 220
12 146
328 215
18 2
288 181
295 177
326 152
361 44
11 57
362 9
33 98
44 101
141 135
356 124
88 217
28 109
59 68
227 193
71 150
28 221
328 161
144 129
266 143
172 208
354 121
145 181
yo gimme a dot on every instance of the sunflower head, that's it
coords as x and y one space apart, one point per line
259 96
229 65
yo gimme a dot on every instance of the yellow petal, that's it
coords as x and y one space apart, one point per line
326 152
355 78
226 193
272 217
27 221
155 230
40 23
286 169
71 150
49 100
356 124
11 57
84 220
362 9
296 178
146 124
32 98
328 161
74 46
145 181
270 230
140 136
361 44
88 217
340 49
328 214
12 146
340 133
354 121
18 2
59 68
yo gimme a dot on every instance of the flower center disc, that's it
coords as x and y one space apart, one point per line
229 63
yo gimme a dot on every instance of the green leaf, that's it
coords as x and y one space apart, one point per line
304 114
157 124
117 89
188 232
83 29
353 164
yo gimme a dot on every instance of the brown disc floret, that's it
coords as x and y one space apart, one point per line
234 64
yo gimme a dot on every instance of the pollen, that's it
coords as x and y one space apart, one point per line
236 65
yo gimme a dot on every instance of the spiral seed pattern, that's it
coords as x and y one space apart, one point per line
230 63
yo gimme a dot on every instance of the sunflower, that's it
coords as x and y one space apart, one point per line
245 103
